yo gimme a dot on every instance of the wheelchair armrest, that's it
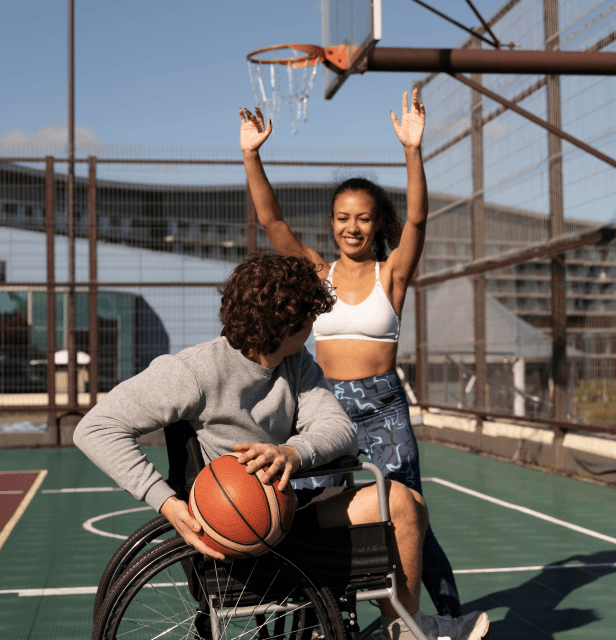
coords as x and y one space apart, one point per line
344 464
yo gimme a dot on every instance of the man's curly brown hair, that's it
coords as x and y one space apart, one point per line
268 298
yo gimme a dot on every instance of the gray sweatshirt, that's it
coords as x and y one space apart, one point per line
228 399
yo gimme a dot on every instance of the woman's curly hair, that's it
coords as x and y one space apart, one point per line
268 298
391 228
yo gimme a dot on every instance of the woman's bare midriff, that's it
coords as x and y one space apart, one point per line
355 359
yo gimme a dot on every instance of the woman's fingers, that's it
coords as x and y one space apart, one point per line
394 121
260 118
405 103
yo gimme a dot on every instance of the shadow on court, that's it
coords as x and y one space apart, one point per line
533 605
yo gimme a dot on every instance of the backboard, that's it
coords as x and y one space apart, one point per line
354 23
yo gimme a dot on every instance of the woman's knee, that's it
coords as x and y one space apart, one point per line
405 503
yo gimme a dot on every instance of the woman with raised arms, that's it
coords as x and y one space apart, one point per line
357 341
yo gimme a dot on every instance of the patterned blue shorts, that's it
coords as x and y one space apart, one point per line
379 410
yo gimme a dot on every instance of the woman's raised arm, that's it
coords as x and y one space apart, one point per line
404 259
253 134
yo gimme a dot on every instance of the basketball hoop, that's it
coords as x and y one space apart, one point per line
301 62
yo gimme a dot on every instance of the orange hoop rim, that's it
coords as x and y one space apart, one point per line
314 55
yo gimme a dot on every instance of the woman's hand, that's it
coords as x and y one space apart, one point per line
253 132
410 130
283 460
176 511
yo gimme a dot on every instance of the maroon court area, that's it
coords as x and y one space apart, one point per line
14 486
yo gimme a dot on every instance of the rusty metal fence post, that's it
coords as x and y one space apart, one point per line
51 294
92 288
421 356
557 227
478 245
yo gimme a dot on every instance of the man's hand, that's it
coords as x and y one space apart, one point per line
176 511
283 460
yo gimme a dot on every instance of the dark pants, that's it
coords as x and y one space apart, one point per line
378 408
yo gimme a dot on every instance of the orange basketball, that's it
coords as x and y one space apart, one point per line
240 515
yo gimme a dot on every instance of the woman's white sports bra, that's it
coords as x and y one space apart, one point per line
372 319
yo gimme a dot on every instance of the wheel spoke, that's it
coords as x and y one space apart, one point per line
264 599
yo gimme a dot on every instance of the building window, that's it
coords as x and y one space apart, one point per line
460 249
2 271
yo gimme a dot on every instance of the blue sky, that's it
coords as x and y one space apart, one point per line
174 73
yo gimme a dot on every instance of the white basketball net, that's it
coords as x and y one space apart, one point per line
269 89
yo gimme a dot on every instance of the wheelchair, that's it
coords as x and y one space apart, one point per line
158 587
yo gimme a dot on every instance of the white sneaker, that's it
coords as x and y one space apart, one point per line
472 626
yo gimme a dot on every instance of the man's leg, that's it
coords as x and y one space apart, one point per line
409 517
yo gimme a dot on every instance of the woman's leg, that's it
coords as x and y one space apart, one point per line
380 413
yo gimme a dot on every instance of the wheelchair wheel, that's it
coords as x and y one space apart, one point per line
142 538
172 591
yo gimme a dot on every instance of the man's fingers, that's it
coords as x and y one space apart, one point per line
405 103
200 546
242 116
186 530
257 463
286 477
242 448
274 467
191 523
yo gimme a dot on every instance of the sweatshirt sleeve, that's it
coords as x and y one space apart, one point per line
324 431
167 391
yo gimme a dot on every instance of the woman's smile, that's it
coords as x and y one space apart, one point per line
354 221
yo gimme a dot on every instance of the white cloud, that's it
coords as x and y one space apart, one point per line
51 139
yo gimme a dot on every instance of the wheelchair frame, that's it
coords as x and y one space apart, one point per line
124 574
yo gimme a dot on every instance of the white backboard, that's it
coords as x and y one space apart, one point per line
354 23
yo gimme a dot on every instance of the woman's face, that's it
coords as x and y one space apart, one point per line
355 223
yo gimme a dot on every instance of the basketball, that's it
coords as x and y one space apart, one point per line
241 516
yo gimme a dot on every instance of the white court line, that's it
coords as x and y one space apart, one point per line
548 567
88 525
11 493
77 591
515 507
84 490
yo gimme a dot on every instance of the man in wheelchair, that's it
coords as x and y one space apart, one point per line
257 390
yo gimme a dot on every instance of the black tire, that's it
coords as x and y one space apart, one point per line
143 538
152 598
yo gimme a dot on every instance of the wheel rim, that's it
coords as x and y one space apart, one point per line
156 601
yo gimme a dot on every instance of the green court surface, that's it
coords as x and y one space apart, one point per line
537 552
